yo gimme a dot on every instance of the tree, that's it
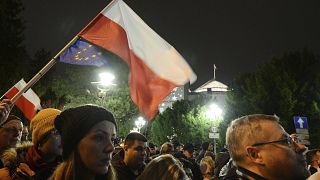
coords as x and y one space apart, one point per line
66 86
13 56
284 86
184 120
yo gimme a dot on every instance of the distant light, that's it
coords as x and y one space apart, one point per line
140 123
214 111
106 78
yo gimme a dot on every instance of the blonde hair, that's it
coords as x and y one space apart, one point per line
164 167
67 170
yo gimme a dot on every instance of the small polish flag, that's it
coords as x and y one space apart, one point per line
28 103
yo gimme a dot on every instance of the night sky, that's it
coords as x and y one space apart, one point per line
236 35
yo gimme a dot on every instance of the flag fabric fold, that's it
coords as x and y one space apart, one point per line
28 103
83 53
155 66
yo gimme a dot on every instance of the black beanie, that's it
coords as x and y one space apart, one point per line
74 123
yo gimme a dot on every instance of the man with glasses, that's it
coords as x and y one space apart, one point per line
262 149
133 157
39 159
10 135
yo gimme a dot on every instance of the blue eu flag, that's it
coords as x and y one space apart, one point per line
83 53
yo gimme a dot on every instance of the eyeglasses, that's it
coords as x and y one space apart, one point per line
287 141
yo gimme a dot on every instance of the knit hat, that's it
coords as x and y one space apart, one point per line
42 123
74 123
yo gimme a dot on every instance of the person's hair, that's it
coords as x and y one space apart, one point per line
310 155
245 129
165 146
10 117
205 146
70 168
131 137
163 167
205 161
13 117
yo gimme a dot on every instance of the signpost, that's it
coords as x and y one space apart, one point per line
301 124
214 134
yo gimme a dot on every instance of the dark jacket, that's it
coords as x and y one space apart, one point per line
122 170
245 174
190 163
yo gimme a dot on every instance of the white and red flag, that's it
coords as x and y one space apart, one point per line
28 103
155 66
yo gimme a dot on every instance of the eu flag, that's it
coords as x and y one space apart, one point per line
83 53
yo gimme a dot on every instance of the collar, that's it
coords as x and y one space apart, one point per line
33 158
246 174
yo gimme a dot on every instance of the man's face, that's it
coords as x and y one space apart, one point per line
281 160
10 134
136 154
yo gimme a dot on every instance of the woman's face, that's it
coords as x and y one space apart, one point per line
96 148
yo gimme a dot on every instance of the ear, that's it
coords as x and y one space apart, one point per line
125 147
254 154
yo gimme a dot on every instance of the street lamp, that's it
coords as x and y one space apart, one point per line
140 123
214 112
106 79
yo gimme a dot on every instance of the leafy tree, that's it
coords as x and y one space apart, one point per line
184 120
284 86
66 86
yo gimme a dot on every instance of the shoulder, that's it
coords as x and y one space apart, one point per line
315 176
4 174
14 156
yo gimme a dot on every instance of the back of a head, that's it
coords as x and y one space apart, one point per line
131 137
205 146
166 148
243 130
164 167
188 147
311 155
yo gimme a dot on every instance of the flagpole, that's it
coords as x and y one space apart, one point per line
214 72
43 71
6 93
52 62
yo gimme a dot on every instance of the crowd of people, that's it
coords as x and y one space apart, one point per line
80 143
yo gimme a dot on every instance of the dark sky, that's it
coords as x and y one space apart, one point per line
236 35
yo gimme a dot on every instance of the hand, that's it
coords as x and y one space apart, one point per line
5 108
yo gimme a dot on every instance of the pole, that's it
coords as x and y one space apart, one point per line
6 93
214 146
214 72
43 71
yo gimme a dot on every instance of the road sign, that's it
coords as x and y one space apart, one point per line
302 131
214 135
303 136
300 122
214 129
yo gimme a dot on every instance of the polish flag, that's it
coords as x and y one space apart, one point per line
28 103
155 66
